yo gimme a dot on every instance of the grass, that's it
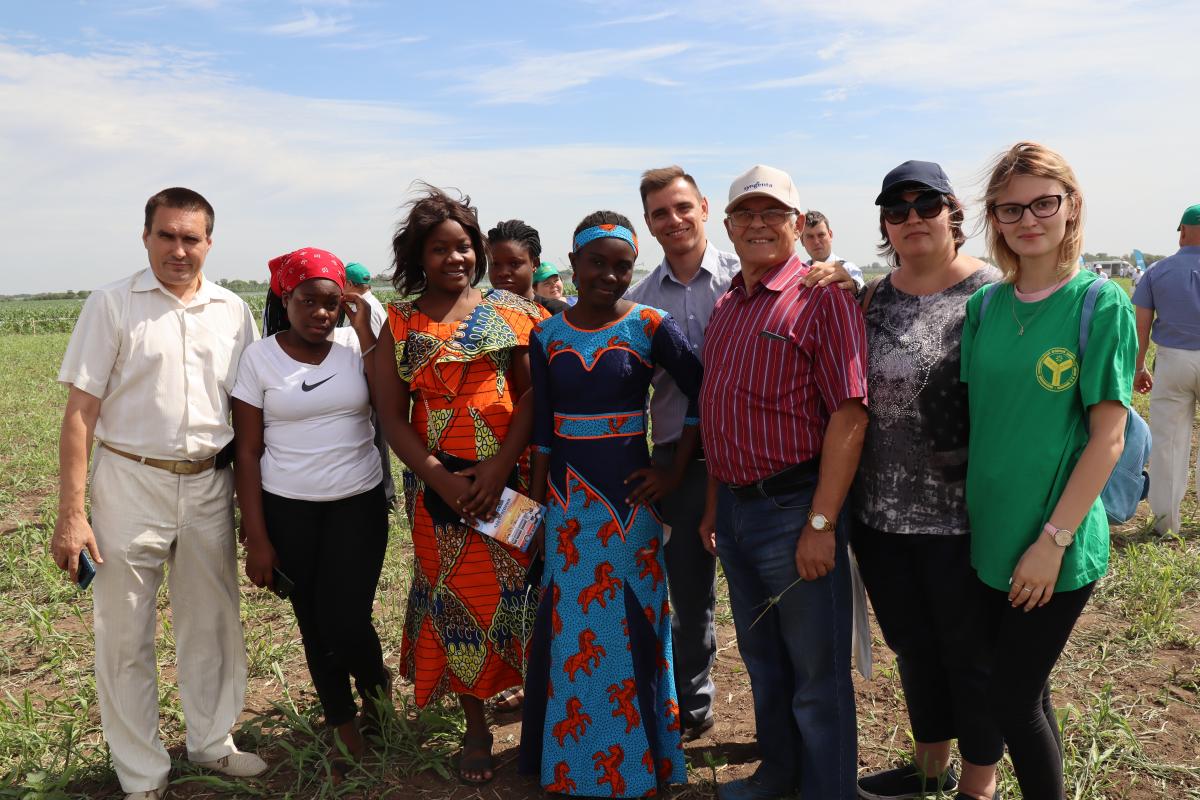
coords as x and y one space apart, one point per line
51 745
1128 685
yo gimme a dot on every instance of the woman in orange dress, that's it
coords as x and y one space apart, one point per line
458 358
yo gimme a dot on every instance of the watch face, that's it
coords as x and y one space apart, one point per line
1063 538
819 522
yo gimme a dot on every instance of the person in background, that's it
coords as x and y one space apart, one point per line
783 419
548 283
601 715
149 366
310 485
359 279
1046 432
910 531
514 249
692 275
1168 298
818 243
452 376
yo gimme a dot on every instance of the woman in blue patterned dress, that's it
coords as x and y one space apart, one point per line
601 716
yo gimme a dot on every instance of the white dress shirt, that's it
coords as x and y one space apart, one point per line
163 369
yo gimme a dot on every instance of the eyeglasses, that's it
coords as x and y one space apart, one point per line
1045 206
927 205
772 216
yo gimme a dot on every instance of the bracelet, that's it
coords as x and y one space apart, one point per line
367 352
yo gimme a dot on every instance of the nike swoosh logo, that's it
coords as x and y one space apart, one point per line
308 387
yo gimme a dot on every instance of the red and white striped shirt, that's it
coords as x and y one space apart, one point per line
777 364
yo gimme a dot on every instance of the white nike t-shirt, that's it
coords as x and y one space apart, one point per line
318 434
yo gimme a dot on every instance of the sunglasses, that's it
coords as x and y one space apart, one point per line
927 205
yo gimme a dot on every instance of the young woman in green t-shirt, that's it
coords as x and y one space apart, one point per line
1047 428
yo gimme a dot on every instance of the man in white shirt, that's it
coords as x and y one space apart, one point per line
818 243
150 366
359 278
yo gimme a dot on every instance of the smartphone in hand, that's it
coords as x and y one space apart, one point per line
281 584
86 571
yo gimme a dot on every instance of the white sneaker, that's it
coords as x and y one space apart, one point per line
237 764
153 794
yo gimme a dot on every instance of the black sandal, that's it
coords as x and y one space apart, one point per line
480 762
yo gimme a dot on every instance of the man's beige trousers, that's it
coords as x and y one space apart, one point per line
144 519
1172 413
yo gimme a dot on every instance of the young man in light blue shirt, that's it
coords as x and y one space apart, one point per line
692 275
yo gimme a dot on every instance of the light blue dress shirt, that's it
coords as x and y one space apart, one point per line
691 305
1171 287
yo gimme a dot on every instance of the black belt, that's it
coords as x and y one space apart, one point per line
783 482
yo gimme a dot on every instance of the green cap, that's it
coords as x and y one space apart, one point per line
357 273
1190 217
546 270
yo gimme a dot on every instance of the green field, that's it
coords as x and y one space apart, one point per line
1128 686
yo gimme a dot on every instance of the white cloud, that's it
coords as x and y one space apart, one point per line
373 41
637 19
311 24
89 138
540 78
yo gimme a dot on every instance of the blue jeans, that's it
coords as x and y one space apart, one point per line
798 653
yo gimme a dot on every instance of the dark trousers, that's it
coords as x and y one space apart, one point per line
1025 647
333 551
797 651
923 590
692 583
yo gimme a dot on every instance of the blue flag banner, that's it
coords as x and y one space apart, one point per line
1141 261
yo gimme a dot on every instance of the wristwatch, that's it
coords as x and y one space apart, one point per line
1060 536
819 522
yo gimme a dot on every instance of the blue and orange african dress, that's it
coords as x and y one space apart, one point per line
601 716
467 621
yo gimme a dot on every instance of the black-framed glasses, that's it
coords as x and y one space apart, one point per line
927 205
1045 206
771 216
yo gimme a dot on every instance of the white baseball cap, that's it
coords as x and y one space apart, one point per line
763 181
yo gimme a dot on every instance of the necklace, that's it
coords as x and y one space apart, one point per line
1016 319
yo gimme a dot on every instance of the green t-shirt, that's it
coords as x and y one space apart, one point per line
1028 397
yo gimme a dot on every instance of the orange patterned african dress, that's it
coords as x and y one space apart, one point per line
467 623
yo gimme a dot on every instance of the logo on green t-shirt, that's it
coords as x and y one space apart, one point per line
1057 369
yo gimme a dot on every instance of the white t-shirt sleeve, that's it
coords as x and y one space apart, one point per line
378 313
249 387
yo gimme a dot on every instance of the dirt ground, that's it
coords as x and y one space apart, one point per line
728 750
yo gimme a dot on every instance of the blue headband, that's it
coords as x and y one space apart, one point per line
606 231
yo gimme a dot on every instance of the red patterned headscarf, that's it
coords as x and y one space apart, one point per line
290 270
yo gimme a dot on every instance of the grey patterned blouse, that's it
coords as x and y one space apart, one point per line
912 474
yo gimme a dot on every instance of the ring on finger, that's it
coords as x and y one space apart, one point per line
1027 589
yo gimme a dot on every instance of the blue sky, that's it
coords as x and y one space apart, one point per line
305 123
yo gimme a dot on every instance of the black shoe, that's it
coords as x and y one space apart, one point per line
696 730
905 782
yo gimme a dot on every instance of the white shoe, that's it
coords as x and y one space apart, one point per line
237 764
153 794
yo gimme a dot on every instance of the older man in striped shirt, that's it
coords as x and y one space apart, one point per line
783 417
